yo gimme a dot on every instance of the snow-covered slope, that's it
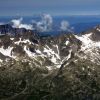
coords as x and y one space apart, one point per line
51 51
48 51
89 47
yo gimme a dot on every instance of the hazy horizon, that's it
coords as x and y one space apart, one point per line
56 7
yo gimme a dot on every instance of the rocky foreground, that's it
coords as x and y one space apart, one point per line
63 67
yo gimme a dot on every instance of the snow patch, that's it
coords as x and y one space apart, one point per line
83 68
12 39
87 43
24 41
30 54
1 60
98 29
66 42
68 57
49 67
38 51
7 52
89 47
54 57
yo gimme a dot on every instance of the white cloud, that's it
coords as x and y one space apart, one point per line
45 24
65 26
17 23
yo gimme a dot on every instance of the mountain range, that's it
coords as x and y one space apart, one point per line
61 67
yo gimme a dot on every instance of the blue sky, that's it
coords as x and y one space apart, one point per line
53 7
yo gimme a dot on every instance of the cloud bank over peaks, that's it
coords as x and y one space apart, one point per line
44 24
17 23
